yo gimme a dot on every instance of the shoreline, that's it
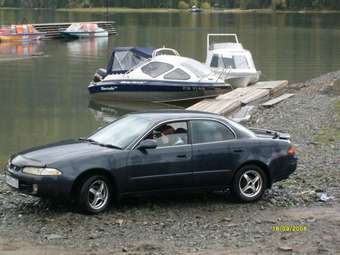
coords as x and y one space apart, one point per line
170 10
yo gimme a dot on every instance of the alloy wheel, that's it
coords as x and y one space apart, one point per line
98 194
250 183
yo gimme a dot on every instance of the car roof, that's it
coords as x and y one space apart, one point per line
172 114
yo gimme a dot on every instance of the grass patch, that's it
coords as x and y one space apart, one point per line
337 107
328 135
331 133
289 183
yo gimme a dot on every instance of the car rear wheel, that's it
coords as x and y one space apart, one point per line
95 194
249 183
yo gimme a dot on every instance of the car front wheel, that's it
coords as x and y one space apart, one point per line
95 194
249 183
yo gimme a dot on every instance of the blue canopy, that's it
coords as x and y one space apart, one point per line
124 58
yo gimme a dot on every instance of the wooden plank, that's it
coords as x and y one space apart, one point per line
254 95
229 106
277 100
273 86
216 106
200 105
234 99
239 92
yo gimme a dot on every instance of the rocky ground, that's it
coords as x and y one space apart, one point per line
208 223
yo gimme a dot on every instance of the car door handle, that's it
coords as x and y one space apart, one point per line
181 156
238 150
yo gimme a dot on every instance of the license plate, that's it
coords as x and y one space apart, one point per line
13 182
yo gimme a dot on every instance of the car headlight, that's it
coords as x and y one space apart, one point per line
41 171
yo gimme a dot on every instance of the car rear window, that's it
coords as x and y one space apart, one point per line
204 131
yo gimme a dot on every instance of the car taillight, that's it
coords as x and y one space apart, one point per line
292 151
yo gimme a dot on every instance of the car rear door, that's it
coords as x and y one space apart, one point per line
166 167
214 155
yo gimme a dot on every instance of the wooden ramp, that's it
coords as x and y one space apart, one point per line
229 102
277 100
53 29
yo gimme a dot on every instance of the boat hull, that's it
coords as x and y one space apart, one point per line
153 91
241 80
21 37
84 34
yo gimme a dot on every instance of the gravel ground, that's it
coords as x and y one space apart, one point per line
207 223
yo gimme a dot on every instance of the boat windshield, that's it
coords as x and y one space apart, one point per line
196 67
122 132
235 62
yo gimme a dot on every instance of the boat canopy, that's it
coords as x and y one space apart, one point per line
125 58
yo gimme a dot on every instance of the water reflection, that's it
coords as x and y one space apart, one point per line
108 111
20 49
87 47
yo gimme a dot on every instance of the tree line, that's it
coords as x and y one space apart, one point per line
243 4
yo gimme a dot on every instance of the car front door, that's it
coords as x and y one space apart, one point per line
213 155
166 167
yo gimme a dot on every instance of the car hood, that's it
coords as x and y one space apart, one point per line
57 152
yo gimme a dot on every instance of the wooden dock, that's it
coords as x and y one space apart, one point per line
53 29
231 101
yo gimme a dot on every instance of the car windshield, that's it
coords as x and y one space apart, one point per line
122 132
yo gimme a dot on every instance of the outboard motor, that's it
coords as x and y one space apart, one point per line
99 75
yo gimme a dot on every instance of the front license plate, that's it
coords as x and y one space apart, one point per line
13 182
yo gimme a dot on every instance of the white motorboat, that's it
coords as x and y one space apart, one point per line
84 30
234 63
163 78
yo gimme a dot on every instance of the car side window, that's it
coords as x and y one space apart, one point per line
204 131
155 68
170 134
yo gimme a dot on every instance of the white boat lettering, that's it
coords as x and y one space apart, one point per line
108 88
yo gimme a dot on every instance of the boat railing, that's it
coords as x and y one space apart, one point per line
209 36
165 51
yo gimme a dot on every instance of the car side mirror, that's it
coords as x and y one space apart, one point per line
147 144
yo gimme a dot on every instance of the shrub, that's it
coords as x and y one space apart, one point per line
183 5
193 2
205 5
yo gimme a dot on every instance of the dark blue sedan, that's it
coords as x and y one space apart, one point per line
152 152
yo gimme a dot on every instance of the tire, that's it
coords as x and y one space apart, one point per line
249 183
94 195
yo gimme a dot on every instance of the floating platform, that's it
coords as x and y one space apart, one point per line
231 101
52 30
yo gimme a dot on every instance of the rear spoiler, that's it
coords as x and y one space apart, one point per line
267 132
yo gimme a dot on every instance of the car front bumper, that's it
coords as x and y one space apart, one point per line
41 186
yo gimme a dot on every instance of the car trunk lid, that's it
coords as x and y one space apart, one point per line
271 134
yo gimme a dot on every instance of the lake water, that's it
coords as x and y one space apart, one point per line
45 99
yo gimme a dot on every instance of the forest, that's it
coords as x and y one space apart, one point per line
181 4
